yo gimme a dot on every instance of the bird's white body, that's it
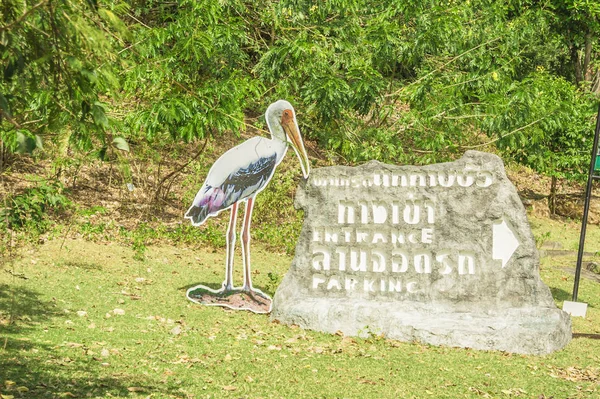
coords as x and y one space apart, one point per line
241 156
258 154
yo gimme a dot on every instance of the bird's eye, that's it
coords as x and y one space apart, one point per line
287 116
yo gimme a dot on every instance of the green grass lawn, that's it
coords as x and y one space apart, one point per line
565 232
90 321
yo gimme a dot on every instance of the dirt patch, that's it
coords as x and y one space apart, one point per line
534 190
585 273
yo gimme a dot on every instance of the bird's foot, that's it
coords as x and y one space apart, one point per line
255 292
227 287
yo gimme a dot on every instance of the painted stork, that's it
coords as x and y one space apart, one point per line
240 174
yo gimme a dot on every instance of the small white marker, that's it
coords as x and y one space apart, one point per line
577 309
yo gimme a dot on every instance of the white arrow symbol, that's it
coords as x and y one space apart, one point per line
505 242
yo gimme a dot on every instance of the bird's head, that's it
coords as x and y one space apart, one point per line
282 123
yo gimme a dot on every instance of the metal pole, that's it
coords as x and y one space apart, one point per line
586 209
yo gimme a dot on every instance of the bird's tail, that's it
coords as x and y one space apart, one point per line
197 214
208 202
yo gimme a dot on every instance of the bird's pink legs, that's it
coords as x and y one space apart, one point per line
228 283
246 244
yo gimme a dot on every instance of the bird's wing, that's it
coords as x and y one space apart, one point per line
238 157
237 175
248 181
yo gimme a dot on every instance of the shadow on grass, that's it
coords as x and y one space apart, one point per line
560 295
584 335
82 265
22 309
32 367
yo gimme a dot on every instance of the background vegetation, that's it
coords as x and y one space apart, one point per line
130 93
409 81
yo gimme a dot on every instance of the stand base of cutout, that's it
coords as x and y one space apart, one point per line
236 299
577 309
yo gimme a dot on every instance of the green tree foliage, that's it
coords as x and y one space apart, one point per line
577 24
556 140
30 209
498 75
59 59
411 81
192 68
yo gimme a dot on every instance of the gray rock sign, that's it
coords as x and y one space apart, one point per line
442 254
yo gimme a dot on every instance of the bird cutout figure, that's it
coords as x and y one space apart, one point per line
236 177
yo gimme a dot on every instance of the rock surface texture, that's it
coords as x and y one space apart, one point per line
441 254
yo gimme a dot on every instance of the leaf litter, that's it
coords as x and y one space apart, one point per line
576 374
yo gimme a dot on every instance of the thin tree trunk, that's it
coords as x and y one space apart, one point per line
552 197
596 82
1 156
160 190
576 65
587 57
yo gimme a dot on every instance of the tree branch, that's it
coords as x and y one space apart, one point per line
470 147
175 172
442 66
22 17
587 56
8 118
466 116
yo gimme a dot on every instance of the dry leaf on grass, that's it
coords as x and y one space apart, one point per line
176 330
479 392
514 392
363 380
73 345
576 374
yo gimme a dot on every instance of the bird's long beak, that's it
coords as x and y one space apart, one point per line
291 130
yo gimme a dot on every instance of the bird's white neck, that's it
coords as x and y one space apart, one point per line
274 124
278 136
280 147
